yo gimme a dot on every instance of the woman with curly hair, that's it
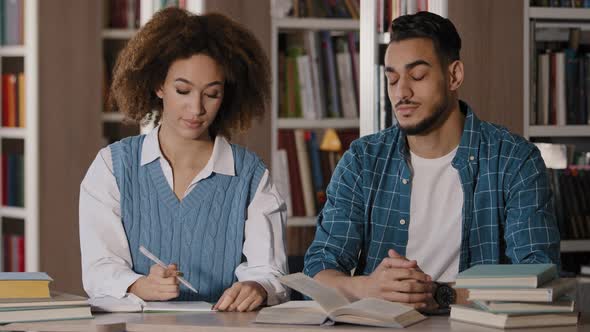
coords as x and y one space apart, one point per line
183 191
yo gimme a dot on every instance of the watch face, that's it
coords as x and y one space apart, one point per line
444 296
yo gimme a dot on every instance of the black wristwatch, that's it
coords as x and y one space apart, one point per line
444 295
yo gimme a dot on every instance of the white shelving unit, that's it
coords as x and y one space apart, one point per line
30 135
369 60
285 24
547 18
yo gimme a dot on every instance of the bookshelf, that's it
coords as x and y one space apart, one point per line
280 25
551 25
115 38
24 58
371 56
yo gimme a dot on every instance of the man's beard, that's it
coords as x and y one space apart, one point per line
435 120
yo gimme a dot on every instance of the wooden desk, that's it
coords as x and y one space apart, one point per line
215 322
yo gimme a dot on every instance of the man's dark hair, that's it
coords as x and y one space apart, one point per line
442 32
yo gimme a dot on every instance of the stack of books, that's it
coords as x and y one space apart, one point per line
25 297
515 296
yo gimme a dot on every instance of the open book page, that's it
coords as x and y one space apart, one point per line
293 312
388 313
191 306
128 303
328 298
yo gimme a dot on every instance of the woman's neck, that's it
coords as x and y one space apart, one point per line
183 152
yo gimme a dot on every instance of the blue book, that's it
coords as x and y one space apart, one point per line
24 276
506 276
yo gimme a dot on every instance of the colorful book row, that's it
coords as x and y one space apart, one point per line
13 256
318 75
325 8
12 22
306 168
13 100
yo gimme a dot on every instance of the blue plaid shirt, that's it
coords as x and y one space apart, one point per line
507 214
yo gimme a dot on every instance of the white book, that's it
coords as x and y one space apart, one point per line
330 306
312 47
346 85
547 293
543 89
305 173
481 317
132 303
560 88
305 88
281 178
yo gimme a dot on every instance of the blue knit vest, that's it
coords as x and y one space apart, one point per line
203 233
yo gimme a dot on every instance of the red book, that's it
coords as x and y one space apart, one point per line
21 252
7 252
5 106
287 143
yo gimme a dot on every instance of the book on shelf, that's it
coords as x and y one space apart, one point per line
12 23
13 100
24 285
561 76
310 166
314 8
329 306
388 10
318 75
506 276
561 3
13 246
470 314
122 14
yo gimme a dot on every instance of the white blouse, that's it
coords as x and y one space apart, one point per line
106 259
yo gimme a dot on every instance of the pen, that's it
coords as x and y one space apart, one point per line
156 260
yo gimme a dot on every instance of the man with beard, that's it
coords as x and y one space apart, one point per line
411 206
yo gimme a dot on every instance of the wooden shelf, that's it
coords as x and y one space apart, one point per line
13 50
316 23
575 245
559 131
317 124
9 132
13 212
301 221
112 117
553 13
118 33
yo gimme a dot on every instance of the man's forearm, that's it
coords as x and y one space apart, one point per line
348 285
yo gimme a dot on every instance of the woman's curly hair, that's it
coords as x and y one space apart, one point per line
174 34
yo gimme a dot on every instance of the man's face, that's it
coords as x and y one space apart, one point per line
417 85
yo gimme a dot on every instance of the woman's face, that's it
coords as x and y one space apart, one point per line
192 93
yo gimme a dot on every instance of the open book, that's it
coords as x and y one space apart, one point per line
132 303
330 306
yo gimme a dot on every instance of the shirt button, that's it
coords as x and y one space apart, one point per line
472 158
404 181
402 222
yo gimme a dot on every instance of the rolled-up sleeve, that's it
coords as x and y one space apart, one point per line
531 231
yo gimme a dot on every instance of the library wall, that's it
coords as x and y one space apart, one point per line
492 36
70 128
255 15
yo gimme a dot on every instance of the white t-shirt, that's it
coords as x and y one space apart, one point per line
434 236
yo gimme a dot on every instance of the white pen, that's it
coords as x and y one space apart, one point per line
156 260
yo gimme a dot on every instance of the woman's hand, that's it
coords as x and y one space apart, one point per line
160 285
242 296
